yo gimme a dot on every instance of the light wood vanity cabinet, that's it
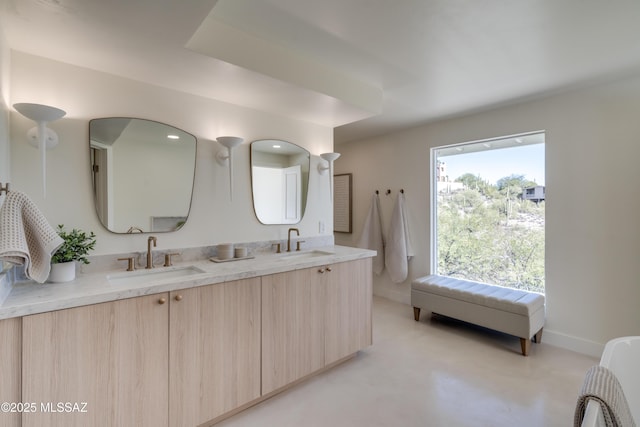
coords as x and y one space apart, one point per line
10 368
347 316
292 327
172 359
312 318
113 356
183 358
214 350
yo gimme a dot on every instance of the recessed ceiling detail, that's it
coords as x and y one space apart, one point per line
365 67
220 40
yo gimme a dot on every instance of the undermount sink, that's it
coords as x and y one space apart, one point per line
304 255
145 276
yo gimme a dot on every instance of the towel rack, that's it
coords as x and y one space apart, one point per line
4 188
389 191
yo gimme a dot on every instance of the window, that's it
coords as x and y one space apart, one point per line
488 211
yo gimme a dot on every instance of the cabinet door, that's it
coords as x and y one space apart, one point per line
214 350
348 299
292 327
10 368
113 356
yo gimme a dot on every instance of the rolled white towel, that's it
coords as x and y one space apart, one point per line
26 238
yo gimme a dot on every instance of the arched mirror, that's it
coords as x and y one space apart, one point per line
143 174
279 180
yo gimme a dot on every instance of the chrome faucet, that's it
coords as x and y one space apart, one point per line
154 240
289 237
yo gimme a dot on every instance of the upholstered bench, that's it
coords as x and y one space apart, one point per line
512 311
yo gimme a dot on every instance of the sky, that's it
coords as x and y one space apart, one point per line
495 164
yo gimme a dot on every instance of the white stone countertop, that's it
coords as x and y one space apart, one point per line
28 297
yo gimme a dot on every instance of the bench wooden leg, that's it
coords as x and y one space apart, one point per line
525 343
537 338
416 313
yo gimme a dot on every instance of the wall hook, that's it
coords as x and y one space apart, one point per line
4 188
388 192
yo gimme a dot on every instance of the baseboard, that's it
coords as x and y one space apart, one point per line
569 342
389 294
557 339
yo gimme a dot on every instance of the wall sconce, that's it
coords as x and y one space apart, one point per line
330 158
41 136
229 142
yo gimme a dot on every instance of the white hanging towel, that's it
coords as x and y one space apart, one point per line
26 238
371 237
399 249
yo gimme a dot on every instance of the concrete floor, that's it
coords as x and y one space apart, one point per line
436 372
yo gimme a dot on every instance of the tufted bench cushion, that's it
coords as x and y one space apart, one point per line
512 311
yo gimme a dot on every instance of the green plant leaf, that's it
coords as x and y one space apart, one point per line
76 246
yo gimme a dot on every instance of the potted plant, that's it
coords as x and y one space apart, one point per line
76 246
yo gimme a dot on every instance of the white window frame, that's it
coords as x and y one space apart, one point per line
433 184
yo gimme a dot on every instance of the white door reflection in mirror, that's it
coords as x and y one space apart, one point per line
277 194
291 200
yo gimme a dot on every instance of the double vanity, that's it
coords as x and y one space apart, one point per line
186 345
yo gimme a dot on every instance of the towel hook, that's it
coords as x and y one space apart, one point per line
402 190
377 192
388 192
4 188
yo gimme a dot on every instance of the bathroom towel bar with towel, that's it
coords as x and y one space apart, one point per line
26 238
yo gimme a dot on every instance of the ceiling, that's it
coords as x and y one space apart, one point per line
365 67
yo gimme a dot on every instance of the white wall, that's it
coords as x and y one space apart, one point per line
5 169
593 206
155 185
5 164
85 94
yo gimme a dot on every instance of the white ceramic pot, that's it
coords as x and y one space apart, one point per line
62 272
